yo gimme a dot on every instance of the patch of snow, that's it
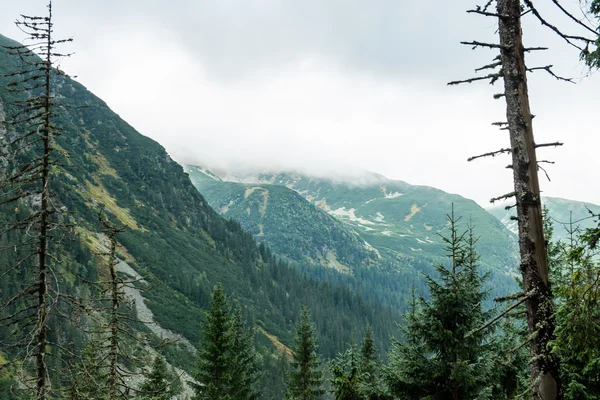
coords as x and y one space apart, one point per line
368 246
416 249
379 217
387 233
393 195
389 195
350 214
421 241
428 240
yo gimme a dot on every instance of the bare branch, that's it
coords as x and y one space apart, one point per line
490 154
548 69
492 77
555 144
503 197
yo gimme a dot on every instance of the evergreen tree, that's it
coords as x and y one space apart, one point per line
245 371
159 382
306 377
592 58
214 374
345 376
510 359
89 378
370 380
274 378
577 342
445 354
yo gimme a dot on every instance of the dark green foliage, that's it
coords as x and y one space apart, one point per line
214 375
577 297
510 358
159 383
346 376
371 384
355 374
88 376
273 382
306 376
288 213
227 366
245 373
172 236
444 355
592 58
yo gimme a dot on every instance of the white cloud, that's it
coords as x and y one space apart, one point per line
319 96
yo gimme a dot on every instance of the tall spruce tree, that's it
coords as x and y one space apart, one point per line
509 64
245 371
577 296
159 383
214 371
346 375
444 354
273 382
370 380
306 376
510 358
88 378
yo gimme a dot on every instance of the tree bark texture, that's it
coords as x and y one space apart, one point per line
544 366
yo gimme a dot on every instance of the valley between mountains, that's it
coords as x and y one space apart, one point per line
352 250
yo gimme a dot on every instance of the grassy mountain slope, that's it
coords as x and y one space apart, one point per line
399 220
403 220
172 236
400 223
291 226
562 211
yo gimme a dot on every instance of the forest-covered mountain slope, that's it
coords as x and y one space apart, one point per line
400 223
173 236
561 211
282 218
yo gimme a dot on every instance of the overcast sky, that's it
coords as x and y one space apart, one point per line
327 85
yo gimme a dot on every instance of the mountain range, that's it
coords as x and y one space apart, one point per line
352 250
171 236
379 234
566 215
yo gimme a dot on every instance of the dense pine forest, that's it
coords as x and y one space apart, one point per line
119 279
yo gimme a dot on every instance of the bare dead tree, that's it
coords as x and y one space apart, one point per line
27 147
114 330
509 64
114 324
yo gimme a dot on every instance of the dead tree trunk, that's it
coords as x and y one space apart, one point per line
115 290
44 222
534 264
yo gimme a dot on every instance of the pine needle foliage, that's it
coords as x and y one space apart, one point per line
346 376
444 354
592 58
214 370
306 376
577 337
159 383
227 367
371 384
245 370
